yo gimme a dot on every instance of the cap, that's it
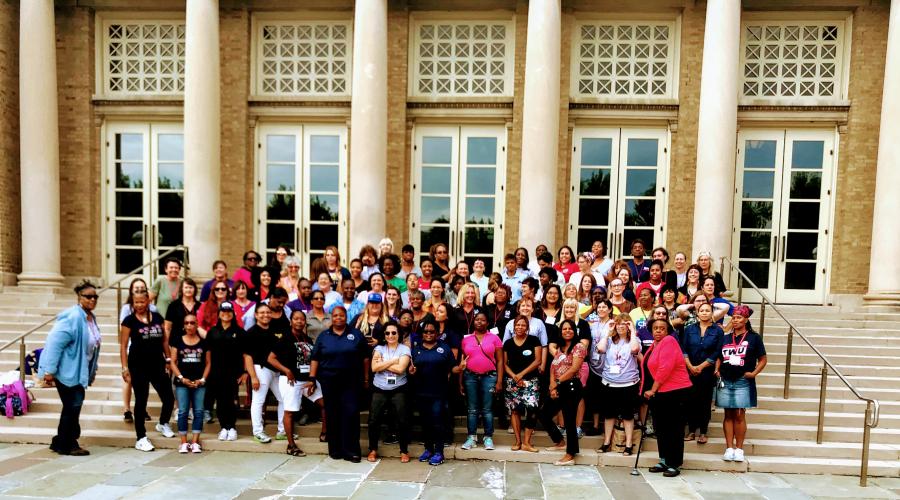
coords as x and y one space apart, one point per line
598 288
226 306
374 298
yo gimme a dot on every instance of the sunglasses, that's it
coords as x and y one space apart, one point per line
318 298
429 332
255 259
90 296
220 289
392 332
190 323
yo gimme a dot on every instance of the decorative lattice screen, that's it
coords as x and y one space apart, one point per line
304 58
144 57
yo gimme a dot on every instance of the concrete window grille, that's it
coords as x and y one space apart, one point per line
462 58
143 57
303 59
792 60
624 59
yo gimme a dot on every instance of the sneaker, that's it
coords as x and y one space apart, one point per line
184 448
488 443
262 438
165 430
579 432
143 444
207 417
223 435
282 436
232 435
195 448
738 455
425 456
729 455
436 459
468 445
509 430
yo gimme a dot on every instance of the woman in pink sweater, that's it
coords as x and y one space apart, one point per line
666 384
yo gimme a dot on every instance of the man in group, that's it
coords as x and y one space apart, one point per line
640 267
513 276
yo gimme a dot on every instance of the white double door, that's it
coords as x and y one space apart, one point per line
458 191
144 194
783 212
618 188
301 189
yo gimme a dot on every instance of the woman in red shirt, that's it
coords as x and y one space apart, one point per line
565 264
664 371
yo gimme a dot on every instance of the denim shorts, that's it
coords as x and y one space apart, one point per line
734 394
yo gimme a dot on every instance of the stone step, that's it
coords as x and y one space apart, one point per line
834 392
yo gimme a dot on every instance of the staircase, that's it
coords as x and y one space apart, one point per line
782 435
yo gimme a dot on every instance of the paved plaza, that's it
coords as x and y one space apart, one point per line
30 471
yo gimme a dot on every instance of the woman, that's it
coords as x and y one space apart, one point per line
705 261
601 264
208 313
370 322
390 266
701 342
536 327
249 270
671 300
331 297
655 282
602 325
368 256
340 359
523 356
264 287
175 314
522 261
137 284
190 366
257 343
469 305
691 281
681 268
570 312
621 305
144 363
664 371
688 312
565 393
741 358
570 291
451 295
585 289
620 350
642 315
565 264
291 280
708 288
376 285
385 247
482 356
412 285
447 332
276 265
500 312
333 265
625 276
241 301
291 356
478 277
318 319
585 263
392 303
356 269
436 287
69 361
440 259
551 305
431 365
425 280
389 364
227 369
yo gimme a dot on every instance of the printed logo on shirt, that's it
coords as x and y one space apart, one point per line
440 350
350 336
151 332
731 352
192 355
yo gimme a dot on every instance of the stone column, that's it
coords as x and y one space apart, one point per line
368 126
39 145
201 135
884 268
540 125
717 129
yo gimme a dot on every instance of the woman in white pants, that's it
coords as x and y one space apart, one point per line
257 344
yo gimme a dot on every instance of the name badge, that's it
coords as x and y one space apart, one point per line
391 379
549 320
615 369
526 352
303 368
596 356
735 361
495 330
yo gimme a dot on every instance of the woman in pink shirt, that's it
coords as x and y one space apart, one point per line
482 356
565 264
666 384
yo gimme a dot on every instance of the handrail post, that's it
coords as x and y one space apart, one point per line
787 363
740 289
823 387
118 296
22 360
864 465
762 319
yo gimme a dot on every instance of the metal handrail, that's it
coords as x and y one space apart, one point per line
873 407
117 285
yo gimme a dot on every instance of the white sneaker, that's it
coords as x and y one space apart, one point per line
729 455
184 448
223 435
738 455
232 435
165 430
143 444
195 448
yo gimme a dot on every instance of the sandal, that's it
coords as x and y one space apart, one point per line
373 456
605 448
404 458
628 450
690 437
516 447
322 437
295 451
702 439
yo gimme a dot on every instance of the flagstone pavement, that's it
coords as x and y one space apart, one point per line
30 471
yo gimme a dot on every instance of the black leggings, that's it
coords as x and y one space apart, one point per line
142 377
699 403
381 402
668 421
224 392
569 397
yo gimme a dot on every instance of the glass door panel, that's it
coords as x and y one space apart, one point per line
130 222
280 155
594 175
438 199
481 184
168 199
640 183
323 147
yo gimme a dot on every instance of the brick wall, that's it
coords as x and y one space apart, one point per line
79 163
399 139
237 182
10 230
858 153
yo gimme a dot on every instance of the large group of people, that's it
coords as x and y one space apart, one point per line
579 343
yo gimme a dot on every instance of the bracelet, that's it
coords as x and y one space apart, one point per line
202 381
168 360
180 377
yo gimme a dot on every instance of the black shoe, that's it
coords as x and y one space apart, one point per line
129 417
658 468
671 472
147 417
354 458
391 439
75 452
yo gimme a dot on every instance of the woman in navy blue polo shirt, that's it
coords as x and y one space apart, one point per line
340 363
432 362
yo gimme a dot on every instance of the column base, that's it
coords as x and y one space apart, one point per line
40 279
882 301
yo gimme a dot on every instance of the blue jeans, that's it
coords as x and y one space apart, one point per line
479 400
188 398
431 413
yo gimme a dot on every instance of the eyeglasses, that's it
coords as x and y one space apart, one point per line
190 323
392 332
429 331
220 289
90 296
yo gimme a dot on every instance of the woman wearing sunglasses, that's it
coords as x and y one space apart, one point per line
389 363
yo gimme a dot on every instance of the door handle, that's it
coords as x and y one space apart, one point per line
775 244
306 238
153 241
783 247
297 241
459 243
611 246
144 239
452 248
621 245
